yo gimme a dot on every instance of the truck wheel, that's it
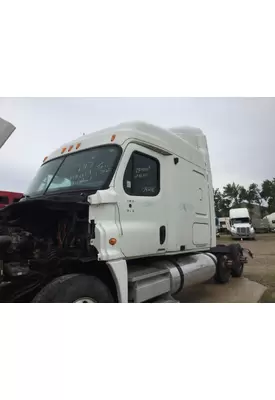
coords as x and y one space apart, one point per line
223 273
237 267
75 288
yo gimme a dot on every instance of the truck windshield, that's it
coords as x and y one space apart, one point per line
240 221
88 169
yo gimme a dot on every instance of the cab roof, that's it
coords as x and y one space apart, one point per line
187 142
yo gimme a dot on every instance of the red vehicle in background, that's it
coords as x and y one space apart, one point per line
6 130
7 198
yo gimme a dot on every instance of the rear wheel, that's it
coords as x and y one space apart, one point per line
75 288
223 273
237 266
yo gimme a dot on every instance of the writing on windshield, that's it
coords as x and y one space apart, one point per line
87 169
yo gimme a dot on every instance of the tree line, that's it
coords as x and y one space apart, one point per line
233 195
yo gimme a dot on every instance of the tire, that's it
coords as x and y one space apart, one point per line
223 273
74 287
237 267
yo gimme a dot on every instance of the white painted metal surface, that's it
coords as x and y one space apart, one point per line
6 130
119 273
178 218
238 213
184 206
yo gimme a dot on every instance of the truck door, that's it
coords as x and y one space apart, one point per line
142 217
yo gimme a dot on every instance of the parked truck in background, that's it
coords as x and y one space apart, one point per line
240 224
125 214
7 198
270 220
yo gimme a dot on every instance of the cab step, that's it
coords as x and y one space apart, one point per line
147 283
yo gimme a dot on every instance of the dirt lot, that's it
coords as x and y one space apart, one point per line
259 274
262 268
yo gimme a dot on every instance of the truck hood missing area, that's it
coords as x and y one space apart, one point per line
40 205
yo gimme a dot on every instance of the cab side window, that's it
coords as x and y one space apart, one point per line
142 176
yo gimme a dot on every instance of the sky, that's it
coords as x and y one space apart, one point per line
240 131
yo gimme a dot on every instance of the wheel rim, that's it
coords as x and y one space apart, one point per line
85 300
223 263
240 265
224 268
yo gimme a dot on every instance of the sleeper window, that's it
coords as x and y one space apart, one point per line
141 176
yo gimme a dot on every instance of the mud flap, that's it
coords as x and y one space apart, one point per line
247 252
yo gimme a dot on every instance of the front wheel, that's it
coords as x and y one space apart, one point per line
75 288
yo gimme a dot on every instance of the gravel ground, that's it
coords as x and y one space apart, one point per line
261 268
259 274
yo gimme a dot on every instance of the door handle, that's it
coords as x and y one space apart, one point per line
162 234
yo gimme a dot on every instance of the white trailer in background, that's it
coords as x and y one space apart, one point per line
125 214
240 224
260 225
224 224
271 221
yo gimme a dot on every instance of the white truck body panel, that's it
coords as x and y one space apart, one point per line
158 202
184 204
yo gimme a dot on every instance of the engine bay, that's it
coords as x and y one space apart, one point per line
39 236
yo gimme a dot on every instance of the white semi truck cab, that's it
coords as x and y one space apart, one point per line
125 214
240 224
